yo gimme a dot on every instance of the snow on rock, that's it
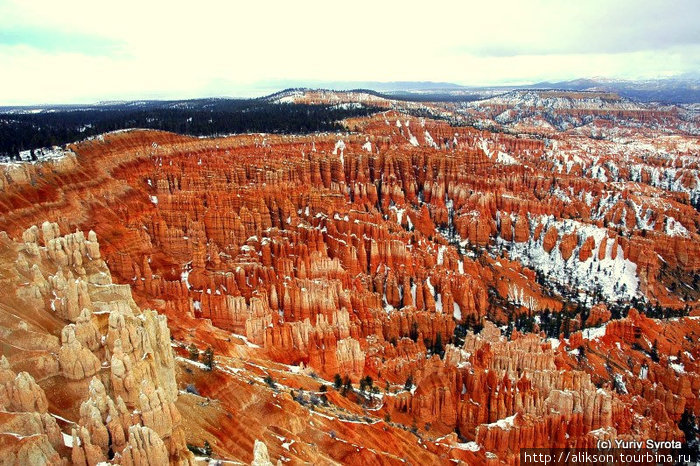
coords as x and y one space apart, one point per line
340 145
483 144
184 276
438 297
679 368
505 423
643 217
598 172
602 432
516 295
457 312
288 444
200 365
399 213
67 439
675 228
620 383
42 154
469 446
616 279
429 140
593 333
441 255
506 159
643 372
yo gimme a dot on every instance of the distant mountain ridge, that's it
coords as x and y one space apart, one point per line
675 90
670 90
683 90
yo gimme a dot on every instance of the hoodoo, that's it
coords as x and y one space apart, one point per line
409 289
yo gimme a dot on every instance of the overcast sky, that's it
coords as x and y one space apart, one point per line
83 51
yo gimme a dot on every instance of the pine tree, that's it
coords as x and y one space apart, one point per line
688 424
459 434
347 385
654 352
414 331
337 382
194 352
438 348
270 381
581 354
368 381
208 358
566 327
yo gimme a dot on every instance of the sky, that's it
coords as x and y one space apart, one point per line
83 51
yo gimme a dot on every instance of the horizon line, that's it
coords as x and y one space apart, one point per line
346 87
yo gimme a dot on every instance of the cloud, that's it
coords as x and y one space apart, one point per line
56 41
81 51
591 27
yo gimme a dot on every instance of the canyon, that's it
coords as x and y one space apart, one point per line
440 283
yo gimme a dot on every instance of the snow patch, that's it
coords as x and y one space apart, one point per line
675 228
469 446
506 159
441 255
679 368
505 423
457 312
615 279
593 333
340 145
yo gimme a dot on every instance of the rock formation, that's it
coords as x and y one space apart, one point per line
483 282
